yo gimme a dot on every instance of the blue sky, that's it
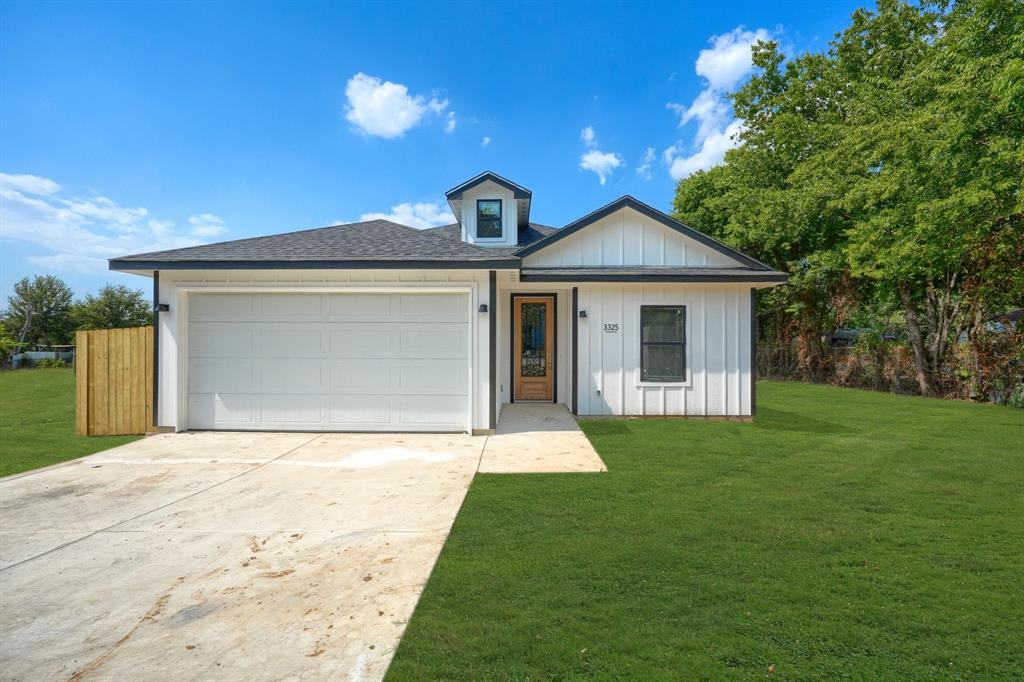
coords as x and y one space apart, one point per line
130 127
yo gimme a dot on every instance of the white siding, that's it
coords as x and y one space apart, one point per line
627 238
509 214
718 373
176 286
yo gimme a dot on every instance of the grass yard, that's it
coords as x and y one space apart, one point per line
37 421
843 535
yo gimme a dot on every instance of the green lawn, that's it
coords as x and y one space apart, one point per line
37 421
842 535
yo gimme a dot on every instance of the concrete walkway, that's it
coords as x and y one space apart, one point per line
538 438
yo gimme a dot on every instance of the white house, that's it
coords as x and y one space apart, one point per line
376 326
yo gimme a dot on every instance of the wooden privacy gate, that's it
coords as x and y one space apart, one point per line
114 381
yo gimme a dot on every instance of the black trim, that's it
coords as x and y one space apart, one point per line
575 347
652 213
681 344
492 335
501 218
753 351
156 345
518 192
766 277
118 264
512 341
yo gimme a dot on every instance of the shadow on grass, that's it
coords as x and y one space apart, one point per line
778 420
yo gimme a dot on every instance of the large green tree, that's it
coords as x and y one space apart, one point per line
888 169
113 307
39 311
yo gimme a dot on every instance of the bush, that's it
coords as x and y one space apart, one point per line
49 363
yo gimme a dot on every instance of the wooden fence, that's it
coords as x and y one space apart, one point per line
114 381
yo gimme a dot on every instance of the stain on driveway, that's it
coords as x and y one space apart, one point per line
225 555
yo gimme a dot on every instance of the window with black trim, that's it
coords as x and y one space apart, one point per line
488 219
662 342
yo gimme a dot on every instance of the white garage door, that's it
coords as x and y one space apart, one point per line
329 362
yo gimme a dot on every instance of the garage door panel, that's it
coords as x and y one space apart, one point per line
373 307
288 342
435 378
290 376
290 306
329 361
433 341
215 341
222 306
225 411
294 410
374 410
227 375
437 411
355 341
362 378
433 308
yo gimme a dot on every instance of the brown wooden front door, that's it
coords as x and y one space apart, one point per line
533 352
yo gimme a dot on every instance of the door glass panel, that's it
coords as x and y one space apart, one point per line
533 361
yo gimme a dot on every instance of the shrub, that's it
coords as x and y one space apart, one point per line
50 363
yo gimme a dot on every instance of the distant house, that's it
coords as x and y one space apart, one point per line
381 327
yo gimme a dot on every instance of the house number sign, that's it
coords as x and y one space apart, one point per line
611 328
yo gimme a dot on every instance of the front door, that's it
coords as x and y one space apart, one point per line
533 353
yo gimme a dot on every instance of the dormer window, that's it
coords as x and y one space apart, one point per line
488 219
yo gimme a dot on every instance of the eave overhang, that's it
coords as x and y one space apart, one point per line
653 275
125 265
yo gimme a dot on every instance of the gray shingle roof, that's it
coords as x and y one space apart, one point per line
528 234
365 242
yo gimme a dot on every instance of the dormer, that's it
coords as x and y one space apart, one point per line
490 209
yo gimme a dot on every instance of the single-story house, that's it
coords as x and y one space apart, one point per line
375 326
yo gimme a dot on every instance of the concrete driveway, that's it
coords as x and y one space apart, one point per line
225 555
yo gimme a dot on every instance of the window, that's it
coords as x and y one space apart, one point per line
488 219
662 342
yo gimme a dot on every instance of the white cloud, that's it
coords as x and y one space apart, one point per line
206 225
420 216
30 184
723 66
711 152
386 109
644 169
485 142
601 163
81 233
588 136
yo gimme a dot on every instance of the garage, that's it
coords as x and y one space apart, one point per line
363 361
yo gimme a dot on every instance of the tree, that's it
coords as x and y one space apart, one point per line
39 311
886 171
113 307
931 161
759 202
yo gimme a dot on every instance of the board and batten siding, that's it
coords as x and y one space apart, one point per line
627 237
718 370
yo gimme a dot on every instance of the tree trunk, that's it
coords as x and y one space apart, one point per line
916 342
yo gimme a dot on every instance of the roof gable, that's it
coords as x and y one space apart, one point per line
518 191
649 213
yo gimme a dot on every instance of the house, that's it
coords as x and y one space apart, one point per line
374 326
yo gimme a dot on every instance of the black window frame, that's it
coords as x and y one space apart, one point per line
501 222
644 377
